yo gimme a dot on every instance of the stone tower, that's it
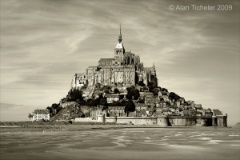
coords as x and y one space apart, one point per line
119 49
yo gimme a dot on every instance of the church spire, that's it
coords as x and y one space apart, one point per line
120 29
120 48
120 35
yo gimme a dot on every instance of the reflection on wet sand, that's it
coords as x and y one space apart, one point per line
131 143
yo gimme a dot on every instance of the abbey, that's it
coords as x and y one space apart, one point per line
123 70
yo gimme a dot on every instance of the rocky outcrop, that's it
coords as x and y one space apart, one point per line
70 111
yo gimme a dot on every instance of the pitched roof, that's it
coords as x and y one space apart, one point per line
104 60
41 111
217 112
112 95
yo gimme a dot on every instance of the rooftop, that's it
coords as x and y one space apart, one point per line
106 60
217 112
41 111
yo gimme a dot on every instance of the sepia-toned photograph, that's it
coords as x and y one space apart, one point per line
119 80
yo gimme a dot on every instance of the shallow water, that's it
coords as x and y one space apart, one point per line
129 143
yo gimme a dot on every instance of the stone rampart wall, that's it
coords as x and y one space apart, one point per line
88 119
111 119
137 120
160 121
182 121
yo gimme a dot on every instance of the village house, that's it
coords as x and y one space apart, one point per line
112 98
116 111
217 112
41 115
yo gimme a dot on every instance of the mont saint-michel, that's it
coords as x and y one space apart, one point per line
122 90
119 80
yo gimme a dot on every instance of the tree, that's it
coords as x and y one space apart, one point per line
155 91
173 96
103 102
30 116
140 83
129 106
55 108
164 90
74 94
91 102
152 85
116 91
50 110
133 93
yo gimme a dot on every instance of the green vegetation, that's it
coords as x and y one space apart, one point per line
129 106
173 96
74 95
132 93
76 105
54 109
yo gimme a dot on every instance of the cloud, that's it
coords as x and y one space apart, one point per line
44 42
13 112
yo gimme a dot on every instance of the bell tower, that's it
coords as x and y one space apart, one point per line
119 49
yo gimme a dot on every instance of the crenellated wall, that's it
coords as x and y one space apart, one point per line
159 121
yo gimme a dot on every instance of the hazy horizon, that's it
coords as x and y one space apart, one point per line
45 42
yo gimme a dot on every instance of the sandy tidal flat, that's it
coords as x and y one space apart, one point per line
122 143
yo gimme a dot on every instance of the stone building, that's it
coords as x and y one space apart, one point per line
116 111
123 70
41 115
112 98
79 80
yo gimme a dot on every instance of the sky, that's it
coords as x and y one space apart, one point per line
43 43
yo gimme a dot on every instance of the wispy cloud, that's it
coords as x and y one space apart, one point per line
44 42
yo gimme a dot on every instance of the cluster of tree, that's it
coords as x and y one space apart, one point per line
129 106
54 109
164 91
132 93
155 91
98 101
173 96
152 85
74 95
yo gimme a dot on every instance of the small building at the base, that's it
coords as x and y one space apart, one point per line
41 115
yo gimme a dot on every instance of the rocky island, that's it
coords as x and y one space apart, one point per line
122 90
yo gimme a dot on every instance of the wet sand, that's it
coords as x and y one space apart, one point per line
118 142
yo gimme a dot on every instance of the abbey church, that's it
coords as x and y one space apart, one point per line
123 70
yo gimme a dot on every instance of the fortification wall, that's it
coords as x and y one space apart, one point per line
182 121
159 121
111 119
137 120
88 119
